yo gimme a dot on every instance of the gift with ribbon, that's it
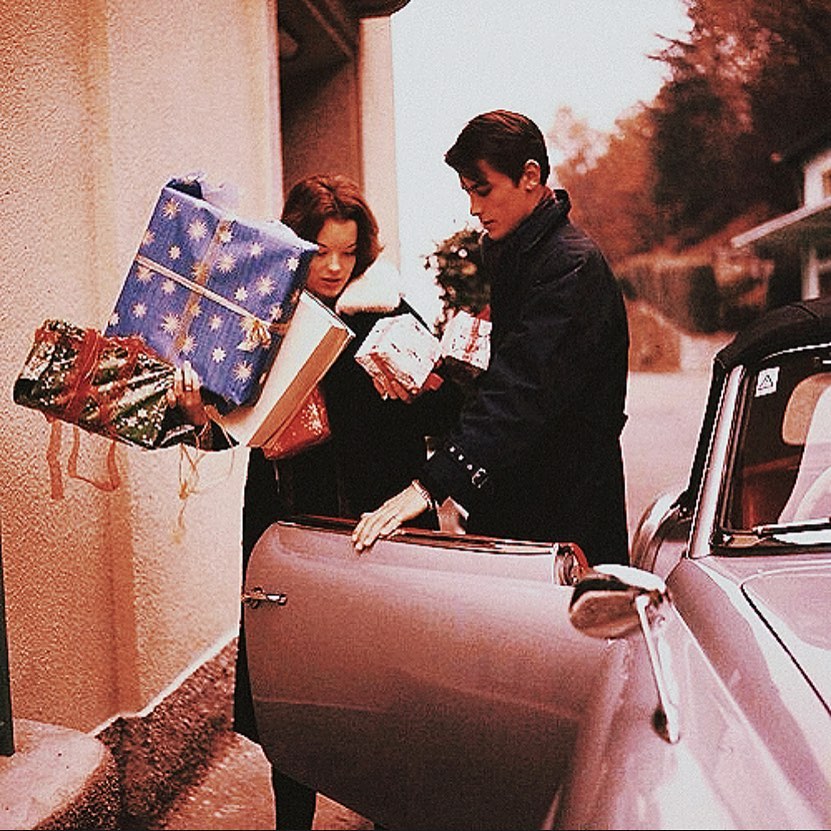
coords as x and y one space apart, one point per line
402 348
113 386
214 289
465 345
315 338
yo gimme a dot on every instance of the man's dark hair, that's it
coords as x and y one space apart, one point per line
503 139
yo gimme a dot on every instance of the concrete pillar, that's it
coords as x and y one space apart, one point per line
378 130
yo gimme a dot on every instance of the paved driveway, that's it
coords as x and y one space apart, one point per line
665 412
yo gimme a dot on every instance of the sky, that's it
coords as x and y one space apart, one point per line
453 59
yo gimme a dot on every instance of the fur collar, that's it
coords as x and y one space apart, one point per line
378 289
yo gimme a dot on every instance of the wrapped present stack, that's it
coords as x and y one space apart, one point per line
208 287
465 345
113 386
401 348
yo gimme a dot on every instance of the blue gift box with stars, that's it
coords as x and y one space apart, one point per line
208 287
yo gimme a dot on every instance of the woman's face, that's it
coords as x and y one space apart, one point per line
331 268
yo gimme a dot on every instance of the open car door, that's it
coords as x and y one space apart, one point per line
432 681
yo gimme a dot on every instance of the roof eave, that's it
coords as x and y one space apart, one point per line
810 223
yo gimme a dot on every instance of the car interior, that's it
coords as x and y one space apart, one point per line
782 457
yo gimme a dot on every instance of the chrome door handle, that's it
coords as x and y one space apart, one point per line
253 598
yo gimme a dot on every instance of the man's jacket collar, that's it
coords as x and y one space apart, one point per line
552 209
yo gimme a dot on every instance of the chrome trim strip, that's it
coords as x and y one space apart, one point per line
424 536
705 510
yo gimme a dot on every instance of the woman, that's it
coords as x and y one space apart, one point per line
377 443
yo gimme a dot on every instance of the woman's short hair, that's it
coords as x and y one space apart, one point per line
503 139
313 200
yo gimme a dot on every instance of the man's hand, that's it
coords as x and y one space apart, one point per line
391 515
186 395
389 387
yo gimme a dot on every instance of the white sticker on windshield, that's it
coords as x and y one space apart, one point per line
767 381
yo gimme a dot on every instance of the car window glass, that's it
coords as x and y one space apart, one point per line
781 468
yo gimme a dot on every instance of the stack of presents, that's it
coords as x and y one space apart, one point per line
226 295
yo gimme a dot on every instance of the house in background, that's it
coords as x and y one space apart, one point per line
799 242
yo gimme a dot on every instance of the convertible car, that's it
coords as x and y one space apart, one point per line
450 681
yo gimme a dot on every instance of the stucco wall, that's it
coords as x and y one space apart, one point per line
100 103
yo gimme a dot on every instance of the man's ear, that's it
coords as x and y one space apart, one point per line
531 174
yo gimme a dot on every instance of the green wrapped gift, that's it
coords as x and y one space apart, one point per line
113 386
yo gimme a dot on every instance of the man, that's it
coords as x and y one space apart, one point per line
536 453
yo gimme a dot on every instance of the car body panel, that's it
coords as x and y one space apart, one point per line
450 678
452 682
720 774
794 604
446 693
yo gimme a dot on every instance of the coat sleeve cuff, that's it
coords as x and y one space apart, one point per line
450 472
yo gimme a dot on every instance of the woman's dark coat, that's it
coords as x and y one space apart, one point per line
536 454
377 447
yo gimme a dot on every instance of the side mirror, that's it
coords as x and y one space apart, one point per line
603 602
610 601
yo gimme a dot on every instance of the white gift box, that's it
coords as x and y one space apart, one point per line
402 348
466 340
313 341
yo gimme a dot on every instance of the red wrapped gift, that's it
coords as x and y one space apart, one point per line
308 427
401 348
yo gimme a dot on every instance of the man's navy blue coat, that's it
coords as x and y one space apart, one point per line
537 454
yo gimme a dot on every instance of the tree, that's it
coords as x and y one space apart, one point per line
456 264
696 155
576 142
749 82
612 190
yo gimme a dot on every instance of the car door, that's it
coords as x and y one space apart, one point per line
432 681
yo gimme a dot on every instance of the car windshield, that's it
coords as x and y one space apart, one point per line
780 477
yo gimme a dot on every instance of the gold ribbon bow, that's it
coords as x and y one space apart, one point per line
256 334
